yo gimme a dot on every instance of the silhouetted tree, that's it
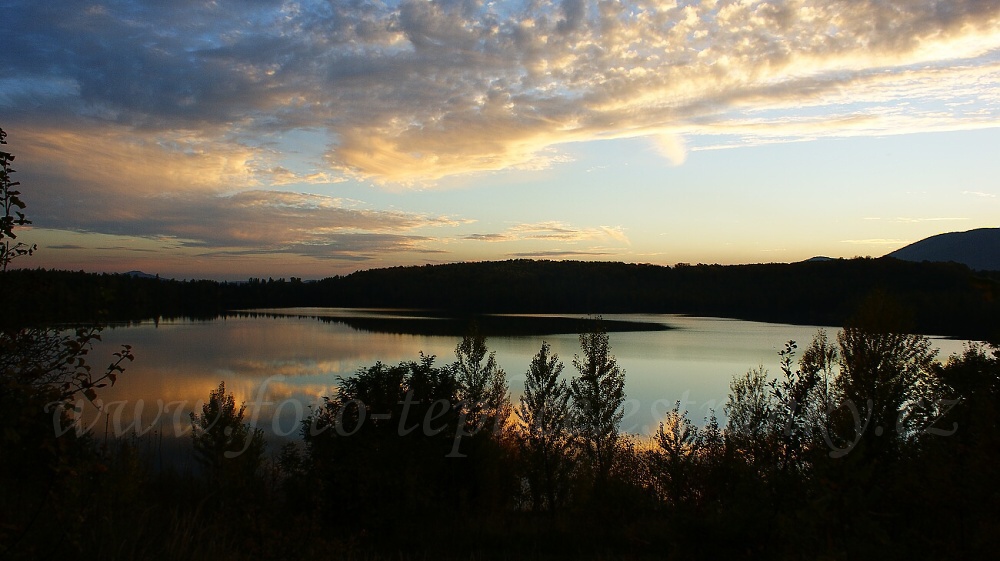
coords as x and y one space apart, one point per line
229 449
597 398
482 385
774 423
390 445
47 464
819 363
12 207
955 473
885 375
44 371
750 413
486 409
839 431
675 458
544 412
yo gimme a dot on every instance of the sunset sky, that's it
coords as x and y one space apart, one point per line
235 138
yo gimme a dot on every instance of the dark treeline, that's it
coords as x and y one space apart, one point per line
863 446
944 299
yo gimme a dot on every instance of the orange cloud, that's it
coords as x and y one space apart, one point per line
413 92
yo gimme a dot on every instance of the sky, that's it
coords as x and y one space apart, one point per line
230 139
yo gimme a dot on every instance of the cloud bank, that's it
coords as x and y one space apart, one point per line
415 91
553 231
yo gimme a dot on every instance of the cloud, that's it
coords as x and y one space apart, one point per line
269 222
123 248
881 102
917 220
343 247
558 254
490 237
199 194
553 231
930 219
415 91
979 194
279 176
877 241
672 147
259 223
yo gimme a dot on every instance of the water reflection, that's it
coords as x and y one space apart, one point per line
281 365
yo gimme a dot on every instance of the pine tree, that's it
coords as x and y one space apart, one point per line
598 394
544 411
482 385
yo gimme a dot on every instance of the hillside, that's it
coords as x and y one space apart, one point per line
977 249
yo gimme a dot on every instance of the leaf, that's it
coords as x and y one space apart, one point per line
90 394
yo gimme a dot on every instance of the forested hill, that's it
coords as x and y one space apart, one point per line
943 298
978 249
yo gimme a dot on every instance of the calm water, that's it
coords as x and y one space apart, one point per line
280 366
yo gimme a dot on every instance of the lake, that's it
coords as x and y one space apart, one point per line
281 362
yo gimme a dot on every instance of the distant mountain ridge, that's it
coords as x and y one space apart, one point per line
977 249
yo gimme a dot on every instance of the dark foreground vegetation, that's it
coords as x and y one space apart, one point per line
864 445
946 299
